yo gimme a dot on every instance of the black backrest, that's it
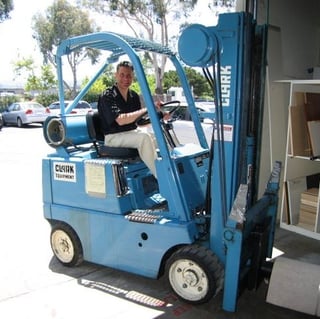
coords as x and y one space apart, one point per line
94 126
96 133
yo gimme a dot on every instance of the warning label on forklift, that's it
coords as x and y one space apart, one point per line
95 178
64 172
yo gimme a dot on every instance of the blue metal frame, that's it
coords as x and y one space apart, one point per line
107 213
124 45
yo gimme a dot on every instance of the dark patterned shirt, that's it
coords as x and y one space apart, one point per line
111 104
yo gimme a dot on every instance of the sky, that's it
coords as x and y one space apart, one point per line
16 35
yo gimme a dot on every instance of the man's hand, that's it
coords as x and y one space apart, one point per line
165 115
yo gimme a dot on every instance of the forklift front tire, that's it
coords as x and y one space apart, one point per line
195 274
66 245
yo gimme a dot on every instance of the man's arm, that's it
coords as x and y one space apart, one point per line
127 118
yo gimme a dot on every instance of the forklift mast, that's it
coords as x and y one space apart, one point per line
235 50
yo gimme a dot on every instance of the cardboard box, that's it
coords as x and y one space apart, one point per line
308 208
304 117
314 135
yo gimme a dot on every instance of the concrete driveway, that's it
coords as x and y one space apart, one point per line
34 285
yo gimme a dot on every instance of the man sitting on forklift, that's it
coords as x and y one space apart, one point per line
120 108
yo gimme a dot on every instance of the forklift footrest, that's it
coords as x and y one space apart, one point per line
143 216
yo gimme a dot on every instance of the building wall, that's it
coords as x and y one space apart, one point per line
299 25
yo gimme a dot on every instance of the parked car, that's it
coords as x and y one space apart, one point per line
21 113
83 107
1 122
184 127
94 105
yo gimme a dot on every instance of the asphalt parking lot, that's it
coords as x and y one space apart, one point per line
34 285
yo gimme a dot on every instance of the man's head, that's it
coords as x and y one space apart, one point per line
125 64
124 74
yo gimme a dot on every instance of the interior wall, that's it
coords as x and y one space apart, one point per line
275 122
299 24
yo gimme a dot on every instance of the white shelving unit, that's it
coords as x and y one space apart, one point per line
301 167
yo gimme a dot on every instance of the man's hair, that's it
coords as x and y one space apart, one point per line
125 64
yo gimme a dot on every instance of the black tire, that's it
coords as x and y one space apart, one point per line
19 122
66 245
195 274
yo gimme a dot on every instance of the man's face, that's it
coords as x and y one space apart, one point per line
124 77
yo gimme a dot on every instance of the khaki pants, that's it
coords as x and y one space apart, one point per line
140 139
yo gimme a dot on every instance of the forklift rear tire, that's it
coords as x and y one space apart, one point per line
66 245
195 274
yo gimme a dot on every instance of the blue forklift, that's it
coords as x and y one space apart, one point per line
201 223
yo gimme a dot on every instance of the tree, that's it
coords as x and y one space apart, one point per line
42 83
62 21
153 18
35 82
170 79
107 80
38 82
5 7
197 82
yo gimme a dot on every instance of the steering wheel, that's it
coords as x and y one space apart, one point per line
144 119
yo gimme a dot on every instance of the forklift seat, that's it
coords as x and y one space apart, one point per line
96 133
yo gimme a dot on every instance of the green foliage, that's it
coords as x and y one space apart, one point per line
95 90
24 67
198 83
5 101
106 80
148 19
41 82
6 6
97 87
136 87
196 80
170 79
62 21
151 84
44 82
47 99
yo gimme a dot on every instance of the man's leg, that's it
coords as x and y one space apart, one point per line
138 139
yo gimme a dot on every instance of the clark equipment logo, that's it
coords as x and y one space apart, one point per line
64 172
